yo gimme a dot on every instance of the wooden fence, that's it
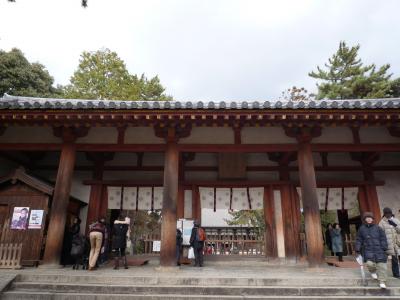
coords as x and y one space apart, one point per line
10 256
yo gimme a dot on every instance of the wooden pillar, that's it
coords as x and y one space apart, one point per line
362 200
168 225
196 206
93 212
315 250
270 229
58 214
372 195
296 215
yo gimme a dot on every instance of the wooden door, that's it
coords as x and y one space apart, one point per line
3 217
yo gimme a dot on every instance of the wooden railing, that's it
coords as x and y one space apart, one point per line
10 256
234 247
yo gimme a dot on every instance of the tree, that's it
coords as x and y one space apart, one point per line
103 75
20 77
251 218
346 77
296 94
395 88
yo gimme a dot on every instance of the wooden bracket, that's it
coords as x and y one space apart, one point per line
303 134
70 134
172 132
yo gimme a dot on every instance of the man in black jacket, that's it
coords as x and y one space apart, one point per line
372 244
197 245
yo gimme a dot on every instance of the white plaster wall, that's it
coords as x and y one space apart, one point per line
100 135
123 159
132 175
153 159
209 135
388 159
206 176
341 159
188 200
389 194
22 134
259 159
334 135
78 189
263 176
204 159
377 135
265 135
141 135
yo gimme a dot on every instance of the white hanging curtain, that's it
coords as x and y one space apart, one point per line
129 198
206 197
350 197
114 197
240 200
223 198
257 197
321 195
334 199
144 199
158 197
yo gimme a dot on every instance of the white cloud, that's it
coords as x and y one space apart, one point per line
219 50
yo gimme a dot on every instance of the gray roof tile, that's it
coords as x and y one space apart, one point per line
18 102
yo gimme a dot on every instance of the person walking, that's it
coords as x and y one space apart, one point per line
371 243
179 242
96 233
390 225
120 230
197 239
328 238
337 241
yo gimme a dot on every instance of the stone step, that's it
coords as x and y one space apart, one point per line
195 281
205 290
20 295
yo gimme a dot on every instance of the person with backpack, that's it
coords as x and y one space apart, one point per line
197 239
96 237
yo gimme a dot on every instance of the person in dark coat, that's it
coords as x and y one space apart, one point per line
197 245
371 243
179 241
328 240
78 250
336 241
120 230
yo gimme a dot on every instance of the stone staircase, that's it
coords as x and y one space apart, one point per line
90 286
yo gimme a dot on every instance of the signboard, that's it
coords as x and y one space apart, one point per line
156 246
20 218
35 219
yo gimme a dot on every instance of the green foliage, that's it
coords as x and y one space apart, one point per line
20 77
249 218
103 75
144 223
395 88
346 77
297 94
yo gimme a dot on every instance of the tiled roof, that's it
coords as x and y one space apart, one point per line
17 102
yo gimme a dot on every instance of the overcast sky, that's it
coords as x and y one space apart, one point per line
205 49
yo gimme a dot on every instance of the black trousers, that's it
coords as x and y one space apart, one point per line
395 266
198 256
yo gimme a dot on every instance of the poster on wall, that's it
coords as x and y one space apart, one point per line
20 218
35 219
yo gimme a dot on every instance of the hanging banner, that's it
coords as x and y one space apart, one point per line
223 198
206 197
240 200
144 199
158 197
334 199
129 198
35 219
114 197
20 218
321 196
257 197
350 197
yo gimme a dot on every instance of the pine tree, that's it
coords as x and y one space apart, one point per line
346 77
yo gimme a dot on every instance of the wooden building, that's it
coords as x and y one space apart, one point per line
288 150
